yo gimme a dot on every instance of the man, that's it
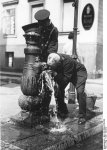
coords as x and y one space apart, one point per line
65 70
49 33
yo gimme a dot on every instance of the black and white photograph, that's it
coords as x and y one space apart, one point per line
52 82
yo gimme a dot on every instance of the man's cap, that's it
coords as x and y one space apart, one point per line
42 14
53 58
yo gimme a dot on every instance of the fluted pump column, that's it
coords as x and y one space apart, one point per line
32 62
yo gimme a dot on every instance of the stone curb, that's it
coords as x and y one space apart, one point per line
10 73
92 82
7 146
65 143
73 139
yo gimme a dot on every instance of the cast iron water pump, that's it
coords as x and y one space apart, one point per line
32 66
34 103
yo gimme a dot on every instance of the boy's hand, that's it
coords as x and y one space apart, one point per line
44 66
54 73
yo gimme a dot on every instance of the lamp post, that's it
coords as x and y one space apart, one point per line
71 98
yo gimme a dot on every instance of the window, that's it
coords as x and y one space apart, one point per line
35 8
68 15
9 59
9 21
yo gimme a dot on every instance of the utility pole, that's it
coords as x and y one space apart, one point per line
71 98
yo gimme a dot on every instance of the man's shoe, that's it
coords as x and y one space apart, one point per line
81 120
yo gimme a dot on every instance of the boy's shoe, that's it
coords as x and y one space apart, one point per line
90 112
81 120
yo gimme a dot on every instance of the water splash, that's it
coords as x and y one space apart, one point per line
61 129
58 125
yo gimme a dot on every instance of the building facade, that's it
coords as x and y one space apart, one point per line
16 13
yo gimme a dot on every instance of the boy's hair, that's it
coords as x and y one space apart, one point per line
53 58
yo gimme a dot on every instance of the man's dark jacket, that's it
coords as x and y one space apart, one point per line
69 70
49 41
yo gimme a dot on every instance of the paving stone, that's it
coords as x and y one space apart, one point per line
7 146
11 133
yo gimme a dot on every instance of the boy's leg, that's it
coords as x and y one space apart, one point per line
81 96
61 105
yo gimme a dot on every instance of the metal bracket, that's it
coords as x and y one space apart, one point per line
75 3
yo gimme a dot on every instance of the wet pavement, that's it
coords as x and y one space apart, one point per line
40 137
92 143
